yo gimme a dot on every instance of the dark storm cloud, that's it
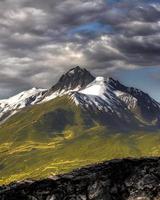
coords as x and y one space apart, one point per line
40 39
8 81
149 13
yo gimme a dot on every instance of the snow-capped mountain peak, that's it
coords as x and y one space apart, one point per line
11 105
75 79
108 96
97 87
99 95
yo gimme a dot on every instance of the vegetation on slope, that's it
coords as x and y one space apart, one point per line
56 137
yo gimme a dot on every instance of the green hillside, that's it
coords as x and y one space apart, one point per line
56 137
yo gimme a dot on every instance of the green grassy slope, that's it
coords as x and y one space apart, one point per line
54 138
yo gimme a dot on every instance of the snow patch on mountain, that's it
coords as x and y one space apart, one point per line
97 95
20 100
128 99
11 105
59 93
97 88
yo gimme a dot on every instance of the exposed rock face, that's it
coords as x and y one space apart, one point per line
126 179
149 108
76 77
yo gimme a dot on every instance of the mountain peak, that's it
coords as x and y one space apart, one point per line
75 78
75 70
106 95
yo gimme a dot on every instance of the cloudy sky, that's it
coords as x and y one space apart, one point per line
40 39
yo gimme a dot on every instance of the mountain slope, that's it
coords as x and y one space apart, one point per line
32 144
117 105
10 106
92 121
148 108
99 98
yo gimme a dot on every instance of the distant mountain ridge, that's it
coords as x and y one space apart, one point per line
106 99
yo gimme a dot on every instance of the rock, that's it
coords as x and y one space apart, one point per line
124 179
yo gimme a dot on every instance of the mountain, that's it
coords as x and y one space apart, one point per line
99 99
122 104
148 107
123 179
109 101
10 106
74 80
81 120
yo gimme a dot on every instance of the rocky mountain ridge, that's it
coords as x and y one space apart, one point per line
106 97
124 179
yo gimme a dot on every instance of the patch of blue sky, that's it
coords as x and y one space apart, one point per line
144 78
151 1
113 1
137 1
95 27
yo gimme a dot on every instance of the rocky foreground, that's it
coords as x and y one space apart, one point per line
132 179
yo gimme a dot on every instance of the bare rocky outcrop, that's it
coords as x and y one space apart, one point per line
125 179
